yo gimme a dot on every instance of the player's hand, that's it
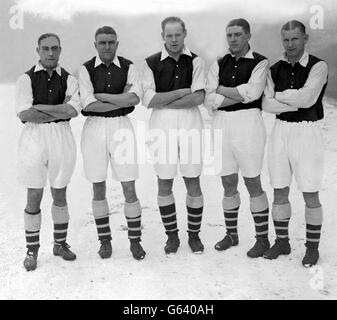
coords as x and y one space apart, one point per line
100 97
67 99
127 88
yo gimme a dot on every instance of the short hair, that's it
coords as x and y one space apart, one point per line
293 24
172 19
105 30
47 35
240 22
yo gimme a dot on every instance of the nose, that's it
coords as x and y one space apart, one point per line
232 38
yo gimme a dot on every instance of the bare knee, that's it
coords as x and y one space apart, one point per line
253 186
193 186
281 196
59 196
129 191
34 197
230 184
99 189
311 199
164 187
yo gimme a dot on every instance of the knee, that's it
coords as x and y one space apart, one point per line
99 189
129 191
164 187
193 186
281 196
59 197
34 197
311 199
253 186
230 184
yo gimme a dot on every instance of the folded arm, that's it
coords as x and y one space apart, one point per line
230 92
269 103
35 116
306 96
188 101
121 100
164 99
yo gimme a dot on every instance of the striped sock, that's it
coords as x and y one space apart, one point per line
133 213
260 211
194 207
282 228
103 228
231 207
167 209
60 232
313 235
100 209
32 229
313 219
231 220
33 240
60 217
281 214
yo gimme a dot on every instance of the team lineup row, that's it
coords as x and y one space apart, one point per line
173 84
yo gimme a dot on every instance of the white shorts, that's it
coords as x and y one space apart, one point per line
175 135
46 149
296 148
239 141
107 140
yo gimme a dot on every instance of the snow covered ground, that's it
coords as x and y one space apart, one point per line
213 275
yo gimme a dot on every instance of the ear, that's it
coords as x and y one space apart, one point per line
306 38
249 35
185 33
37 50
95 45
117 43
162 35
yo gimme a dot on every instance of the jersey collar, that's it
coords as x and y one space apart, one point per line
98 61
39 67
165 54
303 61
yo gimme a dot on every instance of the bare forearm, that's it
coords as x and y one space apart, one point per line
229 92
99 106
122 100
227 102
274 106
189 101
59 111
36 116
162 99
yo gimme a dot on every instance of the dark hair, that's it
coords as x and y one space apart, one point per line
172 19
105 30
293 24
240 22
47 35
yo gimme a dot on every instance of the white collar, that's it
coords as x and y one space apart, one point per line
39 67
98 61
165 54
248 55
303 61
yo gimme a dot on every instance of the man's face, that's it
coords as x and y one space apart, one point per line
174 37
49 51
106 46
294 42
237 39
